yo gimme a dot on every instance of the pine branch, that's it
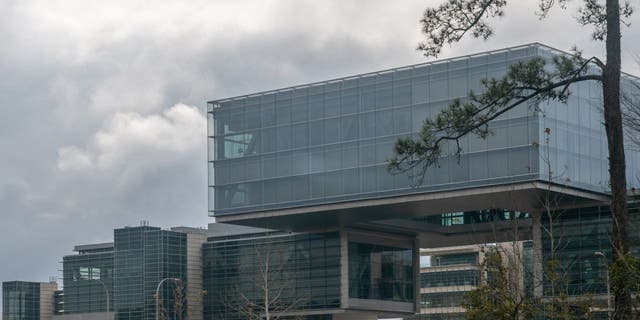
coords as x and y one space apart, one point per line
449 22
525 82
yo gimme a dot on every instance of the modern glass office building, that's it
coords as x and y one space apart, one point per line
580 248
125 274
143 257
22 300
88 279
446 274
328 142
304 268
313 157
313 275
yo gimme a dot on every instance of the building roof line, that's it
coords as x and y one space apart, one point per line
94 246
306 85
428 63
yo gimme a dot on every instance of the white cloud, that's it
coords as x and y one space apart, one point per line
116 93
132 144
97 78
73 159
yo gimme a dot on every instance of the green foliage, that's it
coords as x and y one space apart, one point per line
449 22
626 269
525 82
594 13
560 304
500 297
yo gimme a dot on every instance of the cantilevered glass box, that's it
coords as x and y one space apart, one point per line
328 142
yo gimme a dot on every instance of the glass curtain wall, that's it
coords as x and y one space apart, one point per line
329 141
20 300
441 299
301 270
380 272
578 235
85 277
471 217
450 278
438 316
143 257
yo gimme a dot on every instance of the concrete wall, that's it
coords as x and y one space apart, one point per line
194 275
47 292
355 316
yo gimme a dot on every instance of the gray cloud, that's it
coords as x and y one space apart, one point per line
102 122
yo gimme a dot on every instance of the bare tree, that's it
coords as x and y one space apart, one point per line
631 114
179 303
500 295
270 292
530 82
506 290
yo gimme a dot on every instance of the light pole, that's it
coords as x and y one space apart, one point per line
606 265
106 292
157 296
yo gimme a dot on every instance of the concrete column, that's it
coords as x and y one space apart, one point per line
416 275
47 292
344 270
194 275
355 316
536 235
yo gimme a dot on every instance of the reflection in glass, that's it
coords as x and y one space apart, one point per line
380 272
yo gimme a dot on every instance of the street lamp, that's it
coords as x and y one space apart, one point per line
606 265
106 291
157 296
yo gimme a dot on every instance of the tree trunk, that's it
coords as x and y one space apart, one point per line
613 127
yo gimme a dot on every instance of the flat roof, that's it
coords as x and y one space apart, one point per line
226 229
183 229
95 246
311 84
472 55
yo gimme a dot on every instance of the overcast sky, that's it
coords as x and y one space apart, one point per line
102 102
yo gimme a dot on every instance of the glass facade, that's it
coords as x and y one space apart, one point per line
380 272
450 278
437 316
573 153
447 275
327 142
527 268
471 217
143 257
441 299
299 272
20 300
465 258
86 276
570 253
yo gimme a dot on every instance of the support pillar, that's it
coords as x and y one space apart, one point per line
536 235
